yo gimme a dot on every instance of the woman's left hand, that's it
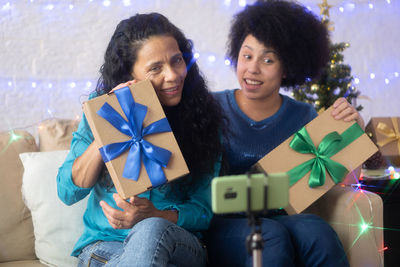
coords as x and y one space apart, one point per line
131 212
343 110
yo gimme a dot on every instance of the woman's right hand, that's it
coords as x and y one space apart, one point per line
86 168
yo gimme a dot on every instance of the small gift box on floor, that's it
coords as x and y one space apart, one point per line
317 157
385 132
137 144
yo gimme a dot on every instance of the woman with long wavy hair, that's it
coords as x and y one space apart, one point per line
162 226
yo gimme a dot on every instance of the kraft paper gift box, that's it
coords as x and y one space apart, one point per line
137 144
317 157
385 132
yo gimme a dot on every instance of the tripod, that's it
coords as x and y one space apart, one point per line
254 241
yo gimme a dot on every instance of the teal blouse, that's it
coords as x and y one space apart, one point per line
194 212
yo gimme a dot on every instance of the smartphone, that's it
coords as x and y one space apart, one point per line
230 193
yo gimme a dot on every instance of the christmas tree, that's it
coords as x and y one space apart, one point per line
335 80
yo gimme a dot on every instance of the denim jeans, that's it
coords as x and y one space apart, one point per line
151 242
297 240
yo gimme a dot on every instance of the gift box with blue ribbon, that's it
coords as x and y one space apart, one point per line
135 139
317 157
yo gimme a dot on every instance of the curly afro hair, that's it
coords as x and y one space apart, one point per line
300 39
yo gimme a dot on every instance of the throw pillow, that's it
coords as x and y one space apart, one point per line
57 226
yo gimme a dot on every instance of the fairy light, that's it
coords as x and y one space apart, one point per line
227 2
396 74
242 3
372 75
33 84
356 80
211 58
126 2
106 3
9 83
6 6
387 81
50 85
364 227
49 7
227 62
196 55
370 5
14 137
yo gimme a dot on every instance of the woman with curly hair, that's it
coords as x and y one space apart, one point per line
273 44
162 226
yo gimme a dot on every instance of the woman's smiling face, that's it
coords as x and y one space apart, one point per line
160 61
259 69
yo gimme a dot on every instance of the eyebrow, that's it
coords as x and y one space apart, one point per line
266 51
161 62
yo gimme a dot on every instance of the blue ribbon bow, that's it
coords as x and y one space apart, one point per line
153 157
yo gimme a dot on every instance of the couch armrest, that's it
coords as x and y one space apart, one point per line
345 209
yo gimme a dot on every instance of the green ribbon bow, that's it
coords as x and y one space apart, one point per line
329 146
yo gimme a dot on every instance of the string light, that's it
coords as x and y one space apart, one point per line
6 6
211 58
14 137
242 3
126 2
106 3
49 7
364 227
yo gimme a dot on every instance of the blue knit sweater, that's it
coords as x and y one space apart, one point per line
250 140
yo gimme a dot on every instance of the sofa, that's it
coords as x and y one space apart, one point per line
36 229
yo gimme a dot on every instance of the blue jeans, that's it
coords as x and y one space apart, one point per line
297 240
151 242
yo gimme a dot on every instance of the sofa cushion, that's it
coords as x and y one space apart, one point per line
16 231
30 263
56 134
57 227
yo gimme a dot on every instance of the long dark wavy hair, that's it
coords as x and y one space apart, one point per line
300 39
197 121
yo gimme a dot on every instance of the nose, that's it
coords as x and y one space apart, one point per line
253 67
171 74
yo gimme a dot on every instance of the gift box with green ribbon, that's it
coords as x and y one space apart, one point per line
385 132
317 157
135 139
